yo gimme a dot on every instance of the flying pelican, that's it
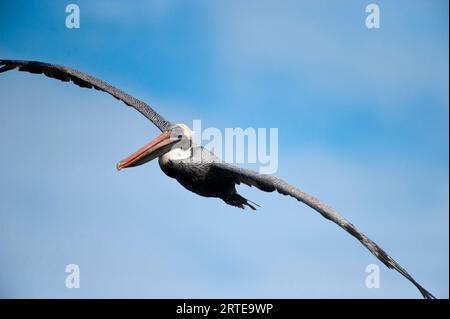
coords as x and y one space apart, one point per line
197 169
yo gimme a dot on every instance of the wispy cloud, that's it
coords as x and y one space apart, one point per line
311 44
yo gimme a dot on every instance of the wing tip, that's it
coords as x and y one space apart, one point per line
7 65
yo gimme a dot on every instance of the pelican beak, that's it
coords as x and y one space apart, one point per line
159 146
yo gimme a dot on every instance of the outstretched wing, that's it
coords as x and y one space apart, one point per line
81 79
270 183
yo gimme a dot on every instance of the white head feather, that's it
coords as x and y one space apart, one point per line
181 150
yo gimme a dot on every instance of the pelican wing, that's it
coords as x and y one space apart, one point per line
270 183
81 79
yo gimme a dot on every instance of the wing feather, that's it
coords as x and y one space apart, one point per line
270 183
66 74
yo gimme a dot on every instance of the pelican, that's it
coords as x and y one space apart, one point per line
196 168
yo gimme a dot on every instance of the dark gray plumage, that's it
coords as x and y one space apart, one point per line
84 80
202 172
200 175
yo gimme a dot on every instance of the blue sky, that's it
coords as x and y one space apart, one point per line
363 124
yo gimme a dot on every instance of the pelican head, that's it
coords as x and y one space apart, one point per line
173 144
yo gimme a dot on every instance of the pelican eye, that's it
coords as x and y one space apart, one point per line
180 136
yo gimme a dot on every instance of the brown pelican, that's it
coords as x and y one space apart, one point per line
197 169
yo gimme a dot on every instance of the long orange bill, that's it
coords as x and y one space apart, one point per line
150 151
